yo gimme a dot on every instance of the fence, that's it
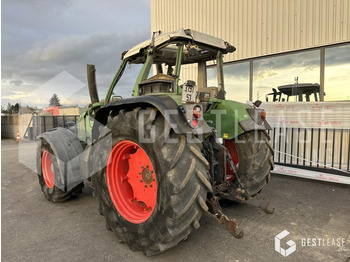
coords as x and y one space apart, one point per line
11 124
41 124
311 140
312 148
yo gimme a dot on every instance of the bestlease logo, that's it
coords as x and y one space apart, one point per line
290 243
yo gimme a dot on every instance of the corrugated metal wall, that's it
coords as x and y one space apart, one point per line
258 27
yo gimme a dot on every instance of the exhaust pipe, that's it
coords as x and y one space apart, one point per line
91 77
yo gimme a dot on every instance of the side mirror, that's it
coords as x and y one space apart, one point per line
257 103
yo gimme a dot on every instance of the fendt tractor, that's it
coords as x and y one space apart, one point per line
161 159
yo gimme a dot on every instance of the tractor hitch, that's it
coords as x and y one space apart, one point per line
230 224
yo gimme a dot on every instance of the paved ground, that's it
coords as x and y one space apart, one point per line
34 229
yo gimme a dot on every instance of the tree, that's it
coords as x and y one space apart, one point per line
54 101
11 109
16 108
4 111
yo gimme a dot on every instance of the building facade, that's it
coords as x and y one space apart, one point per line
279 42
276 41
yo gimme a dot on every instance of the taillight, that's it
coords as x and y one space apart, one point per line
263 115
197 112
194 123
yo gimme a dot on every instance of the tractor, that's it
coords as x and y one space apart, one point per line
296 90
161 159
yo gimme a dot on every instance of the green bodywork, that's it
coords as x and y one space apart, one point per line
229 113
85 126
226 112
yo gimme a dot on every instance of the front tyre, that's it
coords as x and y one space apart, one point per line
152 194
49 174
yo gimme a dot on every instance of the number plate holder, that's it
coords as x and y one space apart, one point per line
189 94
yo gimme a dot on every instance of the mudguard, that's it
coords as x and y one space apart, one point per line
165 105
231 118
67 149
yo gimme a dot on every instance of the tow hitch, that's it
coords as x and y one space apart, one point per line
231 190
230 224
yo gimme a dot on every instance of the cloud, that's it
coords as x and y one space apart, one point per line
16 82
41 39
339 55
302 59
237 70
71 54
15 95
64 85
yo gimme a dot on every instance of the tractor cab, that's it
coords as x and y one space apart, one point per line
167 53
301 92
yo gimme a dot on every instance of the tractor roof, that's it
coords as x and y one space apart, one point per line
296 89
182 35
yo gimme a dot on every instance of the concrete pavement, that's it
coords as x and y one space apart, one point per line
34 229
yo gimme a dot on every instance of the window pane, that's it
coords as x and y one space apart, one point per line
337 73
282 70
126 83
236 80
212 79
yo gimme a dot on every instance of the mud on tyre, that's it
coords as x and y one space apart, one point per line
179 172
254 154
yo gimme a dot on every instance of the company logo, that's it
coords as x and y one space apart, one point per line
290 243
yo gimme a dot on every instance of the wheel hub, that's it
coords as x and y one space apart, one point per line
147 175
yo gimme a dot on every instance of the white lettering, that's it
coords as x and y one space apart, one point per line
322 242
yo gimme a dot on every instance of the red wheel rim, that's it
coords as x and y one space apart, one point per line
46 166
230 145
131 181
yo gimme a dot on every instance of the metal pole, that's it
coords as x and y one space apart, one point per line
76 125
322 65
251 80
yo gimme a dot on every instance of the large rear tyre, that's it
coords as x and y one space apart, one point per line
50 180
253 154
152 195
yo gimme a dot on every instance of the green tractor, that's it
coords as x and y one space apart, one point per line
159 160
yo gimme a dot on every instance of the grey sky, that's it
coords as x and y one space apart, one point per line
41 39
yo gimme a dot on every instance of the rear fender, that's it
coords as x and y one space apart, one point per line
231 118
67 149
163 103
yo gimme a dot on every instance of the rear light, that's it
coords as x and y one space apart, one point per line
263 116
197 112
194 123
